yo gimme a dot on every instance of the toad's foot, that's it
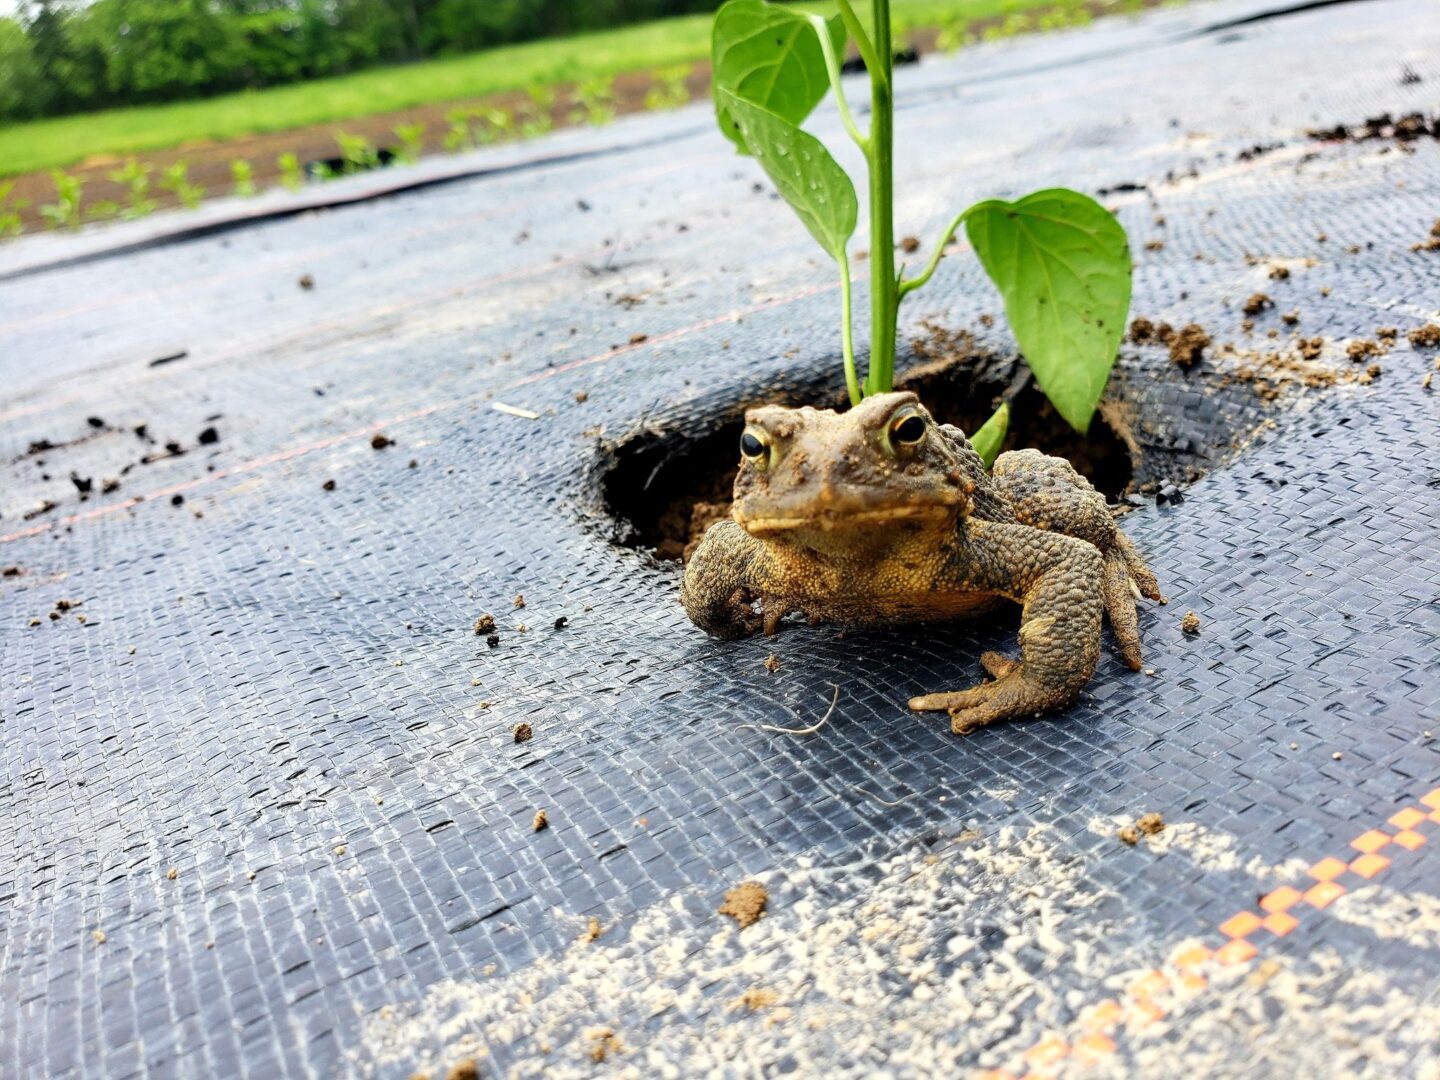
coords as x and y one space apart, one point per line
1010 695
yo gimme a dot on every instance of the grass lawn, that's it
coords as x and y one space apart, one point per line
65 140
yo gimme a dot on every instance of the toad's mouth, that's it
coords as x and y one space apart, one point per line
774 519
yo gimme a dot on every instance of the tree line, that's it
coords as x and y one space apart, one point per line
64 56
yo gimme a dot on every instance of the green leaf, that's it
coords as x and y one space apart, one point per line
1062 264
771 57
991 436
801 169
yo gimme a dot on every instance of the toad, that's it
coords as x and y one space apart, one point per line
881 516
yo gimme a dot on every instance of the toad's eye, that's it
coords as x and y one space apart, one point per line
754 446
907 428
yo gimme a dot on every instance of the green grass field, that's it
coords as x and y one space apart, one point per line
65 140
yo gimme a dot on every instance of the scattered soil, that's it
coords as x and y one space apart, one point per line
1128 835
1363 349
1425 337
464 1070
523 732
329 485
755 999
1256 304
593 929
1191 623
772 663
519 600
1431 242
745 903
1150 824
604 1042
910 244
1387 335
11 571
1404 129
306 282
485 624
542 821
379 441
1188 345
1279 273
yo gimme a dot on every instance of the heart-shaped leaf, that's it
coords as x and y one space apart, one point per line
770 56
1062 264
801 169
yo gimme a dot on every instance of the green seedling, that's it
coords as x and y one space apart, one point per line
357 153
136 179
244 177
669 90
457 134
1060 260
594 102
10 222
494 124
540 113
103 210
292 177
176 180
64 212
412 142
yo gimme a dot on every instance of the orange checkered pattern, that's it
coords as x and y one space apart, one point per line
1281 911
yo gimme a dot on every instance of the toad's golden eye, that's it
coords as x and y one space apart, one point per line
907 427
755 447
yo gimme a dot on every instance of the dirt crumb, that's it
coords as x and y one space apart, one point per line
1279 273
1310 348
637 339
772 663
1291 318
523 732
1363 349
1151 823
12 571
582 396
755 999
1425 337
1188 346
604 1042
464 1070
328 485
745 903
306 281
1141 330
593 929
541 822
910 244
484 625
1191 623
1387 335
1128 835
519 600
379 441
1431 242
1257 303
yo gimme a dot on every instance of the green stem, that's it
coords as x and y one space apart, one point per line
832 68
856 29
884 294
917 282
847 334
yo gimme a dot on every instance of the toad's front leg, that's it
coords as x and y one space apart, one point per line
718 590
1058 580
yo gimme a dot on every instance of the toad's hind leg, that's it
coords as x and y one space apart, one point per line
1055 578
1047 493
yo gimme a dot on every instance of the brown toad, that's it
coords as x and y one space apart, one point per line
879 516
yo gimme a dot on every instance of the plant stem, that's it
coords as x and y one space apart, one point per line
884 292
847 334
916 282
832 68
